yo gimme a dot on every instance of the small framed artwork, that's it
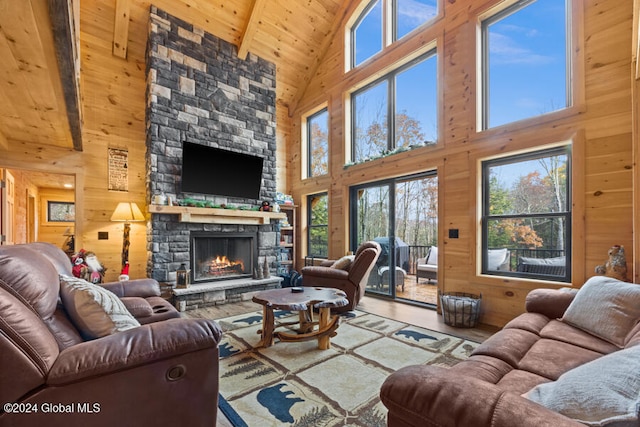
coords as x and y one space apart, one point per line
61 211
118 169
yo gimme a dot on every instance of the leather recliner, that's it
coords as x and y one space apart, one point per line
140 296
161 373
352 281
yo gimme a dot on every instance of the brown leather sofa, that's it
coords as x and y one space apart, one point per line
160 373
488 388
352 279
140 296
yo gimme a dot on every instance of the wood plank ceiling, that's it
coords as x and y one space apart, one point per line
294 34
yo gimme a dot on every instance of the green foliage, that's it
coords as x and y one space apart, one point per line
318 228
540 189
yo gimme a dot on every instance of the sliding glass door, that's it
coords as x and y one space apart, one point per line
371 221
401 215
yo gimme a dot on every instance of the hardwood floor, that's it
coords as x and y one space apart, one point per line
415 315
422 291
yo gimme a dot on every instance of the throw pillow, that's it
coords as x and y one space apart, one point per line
432 256
497 259
94 310
605 307
343 263
597 393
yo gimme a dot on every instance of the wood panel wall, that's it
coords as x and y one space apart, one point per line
23 190
52 232
599 127
113 94
635 90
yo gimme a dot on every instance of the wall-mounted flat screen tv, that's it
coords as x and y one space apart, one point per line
220 172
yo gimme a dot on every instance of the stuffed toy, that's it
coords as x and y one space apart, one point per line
265 207
86 266
616 265
78 263
124 273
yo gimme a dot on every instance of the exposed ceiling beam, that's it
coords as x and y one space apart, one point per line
338 22
64 25
121 28
252 27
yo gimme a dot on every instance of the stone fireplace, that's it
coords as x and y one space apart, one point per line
222 256
199 91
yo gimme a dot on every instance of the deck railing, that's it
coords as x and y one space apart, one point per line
516 253
420 251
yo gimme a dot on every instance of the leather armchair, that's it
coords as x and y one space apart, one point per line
164 371
352 281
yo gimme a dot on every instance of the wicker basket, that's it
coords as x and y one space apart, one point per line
460 310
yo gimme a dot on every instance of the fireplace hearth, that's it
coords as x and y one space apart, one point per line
222 256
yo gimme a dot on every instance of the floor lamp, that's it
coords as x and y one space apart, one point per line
126 212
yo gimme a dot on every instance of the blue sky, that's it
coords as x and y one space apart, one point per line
527 61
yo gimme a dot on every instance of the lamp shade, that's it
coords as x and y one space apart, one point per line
127 212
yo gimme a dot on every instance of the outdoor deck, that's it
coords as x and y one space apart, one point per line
423 291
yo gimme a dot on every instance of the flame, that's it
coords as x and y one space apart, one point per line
223 265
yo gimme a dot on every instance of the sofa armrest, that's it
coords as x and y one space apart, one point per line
549 302
133 347
323 273
143 288
431 395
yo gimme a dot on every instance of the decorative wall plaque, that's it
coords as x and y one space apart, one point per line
118 169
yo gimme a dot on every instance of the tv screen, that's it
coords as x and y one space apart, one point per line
209 170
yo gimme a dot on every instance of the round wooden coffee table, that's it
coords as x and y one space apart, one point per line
303 302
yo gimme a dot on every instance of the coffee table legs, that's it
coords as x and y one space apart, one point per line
324 342
327 326
268 326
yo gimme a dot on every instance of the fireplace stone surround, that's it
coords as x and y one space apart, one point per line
198 90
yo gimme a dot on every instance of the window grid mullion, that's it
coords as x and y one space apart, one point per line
530 215
391 122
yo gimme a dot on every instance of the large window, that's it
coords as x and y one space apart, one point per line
380 17
318 144
526 222
318 225
525 61
396 112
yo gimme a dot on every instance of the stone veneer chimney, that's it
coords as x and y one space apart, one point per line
198 90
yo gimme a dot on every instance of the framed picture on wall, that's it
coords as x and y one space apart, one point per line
61 211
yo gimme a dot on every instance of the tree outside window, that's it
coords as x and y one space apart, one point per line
525 61
318 143
408 95
527 211
318 225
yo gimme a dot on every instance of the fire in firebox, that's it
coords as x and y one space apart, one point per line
223 266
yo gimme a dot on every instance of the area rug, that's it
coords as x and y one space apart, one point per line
295 384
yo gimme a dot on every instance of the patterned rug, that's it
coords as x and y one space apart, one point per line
296 384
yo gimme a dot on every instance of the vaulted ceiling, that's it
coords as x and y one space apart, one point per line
294 34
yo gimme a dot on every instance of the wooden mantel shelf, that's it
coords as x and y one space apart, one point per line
217 216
